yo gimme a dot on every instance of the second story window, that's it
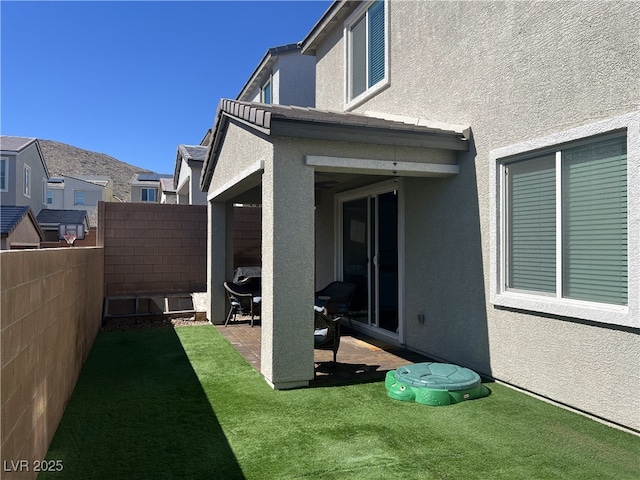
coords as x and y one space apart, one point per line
49 197
148 194
78 197
26 186
4 174
366 36
265 92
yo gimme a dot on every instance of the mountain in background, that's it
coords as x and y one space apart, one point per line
63 159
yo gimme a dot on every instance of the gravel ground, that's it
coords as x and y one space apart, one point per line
142 322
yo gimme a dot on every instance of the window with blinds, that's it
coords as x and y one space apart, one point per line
589 222
367 49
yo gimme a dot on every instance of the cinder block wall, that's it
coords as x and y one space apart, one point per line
153 248
50 314
247 236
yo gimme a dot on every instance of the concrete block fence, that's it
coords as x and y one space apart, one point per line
50 314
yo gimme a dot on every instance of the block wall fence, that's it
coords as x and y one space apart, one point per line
50 313
153 248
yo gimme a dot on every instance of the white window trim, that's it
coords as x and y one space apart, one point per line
351 103
46 197
6 174
26 185
269 82
629 315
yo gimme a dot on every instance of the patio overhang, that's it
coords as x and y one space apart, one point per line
311 123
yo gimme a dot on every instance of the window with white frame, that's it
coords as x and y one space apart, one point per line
565 222
78 197
49 197
366 34
265 92
564 239
148 194
26 181
4 174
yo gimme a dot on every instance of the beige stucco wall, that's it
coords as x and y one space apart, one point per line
24 234
50 313
513 71
240 153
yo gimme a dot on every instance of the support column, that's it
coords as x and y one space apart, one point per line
287 270
217 261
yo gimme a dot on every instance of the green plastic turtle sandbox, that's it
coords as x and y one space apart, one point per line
434 384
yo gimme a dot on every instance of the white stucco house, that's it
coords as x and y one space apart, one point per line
474 168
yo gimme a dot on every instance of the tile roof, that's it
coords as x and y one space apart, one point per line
307 122
14 144
10 217
47 216
193 152
166 185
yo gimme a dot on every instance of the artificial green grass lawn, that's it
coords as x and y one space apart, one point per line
184 404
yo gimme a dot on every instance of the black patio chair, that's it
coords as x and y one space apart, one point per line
242 300
336 298
326 334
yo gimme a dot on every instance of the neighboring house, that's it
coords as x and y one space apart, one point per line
511 247
23 172
167 191
283 76
18 228
186 178
79 192
145 187
72 221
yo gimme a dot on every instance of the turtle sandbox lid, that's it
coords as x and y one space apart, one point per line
435 384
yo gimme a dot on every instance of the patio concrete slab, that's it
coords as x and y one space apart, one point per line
361 359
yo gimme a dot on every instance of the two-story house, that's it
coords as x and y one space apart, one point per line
473 168
23 172
79 192
23 182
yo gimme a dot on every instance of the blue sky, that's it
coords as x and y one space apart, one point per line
134 79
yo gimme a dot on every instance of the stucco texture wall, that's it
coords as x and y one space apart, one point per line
50 313
513 71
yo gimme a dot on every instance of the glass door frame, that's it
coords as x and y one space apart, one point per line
368 192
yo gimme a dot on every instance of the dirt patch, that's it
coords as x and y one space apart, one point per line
143 322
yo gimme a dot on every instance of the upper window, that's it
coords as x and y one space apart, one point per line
26 185
148 194
265 92
78 197
366 33
49 197
566 228
4 174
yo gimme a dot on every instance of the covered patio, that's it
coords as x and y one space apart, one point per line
300 165
361 359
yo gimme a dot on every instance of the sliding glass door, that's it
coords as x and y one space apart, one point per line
369 257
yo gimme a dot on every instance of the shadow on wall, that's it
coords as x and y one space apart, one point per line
445 294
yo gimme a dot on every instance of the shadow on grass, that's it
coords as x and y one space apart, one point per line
139 411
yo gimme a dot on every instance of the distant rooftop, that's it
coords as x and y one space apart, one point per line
150 177
14 144
10 217
47 216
